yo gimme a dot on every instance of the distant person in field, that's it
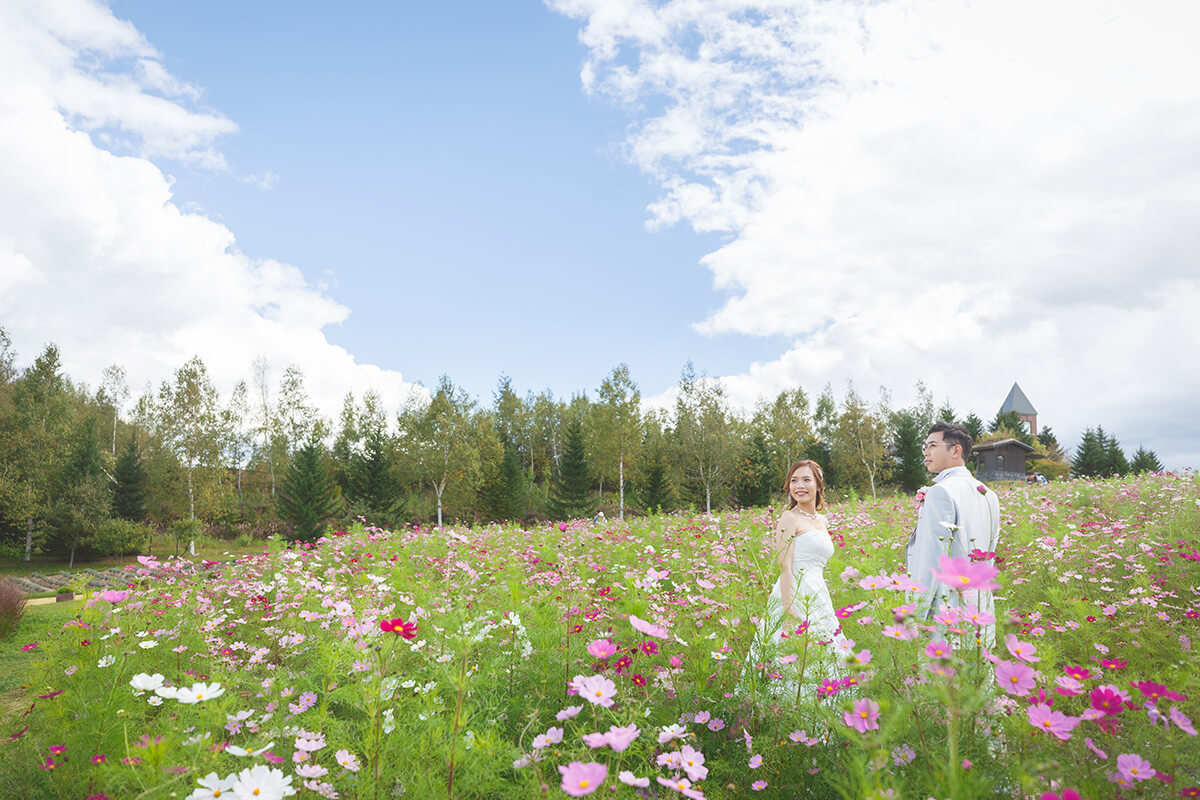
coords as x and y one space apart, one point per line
958 517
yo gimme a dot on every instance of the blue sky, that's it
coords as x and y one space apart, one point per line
440 166
786 194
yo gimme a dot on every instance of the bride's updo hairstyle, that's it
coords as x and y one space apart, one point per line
817 473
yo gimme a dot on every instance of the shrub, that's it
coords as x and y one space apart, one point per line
12 607
120 537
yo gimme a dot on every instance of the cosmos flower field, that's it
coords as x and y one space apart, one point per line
615 661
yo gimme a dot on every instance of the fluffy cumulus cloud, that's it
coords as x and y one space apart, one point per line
94 253
970 193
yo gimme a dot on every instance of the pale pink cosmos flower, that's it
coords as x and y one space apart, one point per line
976 617
619 738
579 778
551 736
947 615
567 713
1022 650
649 628
1181 721
629 779
755 761
1092 746
863 717
904 633
681 785
596 689
788 659
348 760
1044 718
1134 767
758 786
692 761
114 595
592 740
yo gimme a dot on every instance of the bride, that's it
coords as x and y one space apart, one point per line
799 607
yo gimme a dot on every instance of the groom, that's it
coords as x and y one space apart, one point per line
957 516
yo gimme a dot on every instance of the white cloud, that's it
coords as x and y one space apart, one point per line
96 256
968 193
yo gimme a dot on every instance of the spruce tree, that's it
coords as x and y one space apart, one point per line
1089 455
1145 461
910 469
1113 461
505 492
657 492
374 492
129 494
947 414
571 495
1012 421
974 426
308 496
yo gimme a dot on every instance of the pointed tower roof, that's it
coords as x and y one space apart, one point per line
1017 401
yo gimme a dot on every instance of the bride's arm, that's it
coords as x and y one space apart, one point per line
784 543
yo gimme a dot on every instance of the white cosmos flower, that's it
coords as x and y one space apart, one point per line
107 661
169 692
242 752
199 692
154 700
149 643
262 783
213 785
146 683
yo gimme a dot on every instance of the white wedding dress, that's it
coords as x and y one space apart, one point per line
811 551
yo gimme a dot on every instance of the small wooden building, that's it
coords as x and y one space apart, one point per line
1003 460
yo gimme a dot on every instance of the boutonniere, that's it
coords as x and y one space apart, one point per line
981 489
921 496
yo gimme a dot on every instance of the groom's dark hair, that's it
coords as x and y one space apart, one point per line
953 435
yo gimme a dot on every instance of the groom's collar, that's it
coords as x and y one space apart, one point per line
951 472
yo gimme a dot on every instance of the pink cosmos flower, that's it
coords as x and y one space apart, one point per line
1153 691
961 574
681 785
1134 767
113 595
1092 746
551 736
947 615
592 740
939 649
348 760
601 648
755 761
902 632
1044 718
676 661
1067 686
863 717
649 628
629 779
99 758
1014 677
579 779
1078 673
620 738
976 617
758 786
1022 650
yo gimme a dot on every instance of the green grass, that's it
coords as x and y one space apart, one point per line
39 622
161 546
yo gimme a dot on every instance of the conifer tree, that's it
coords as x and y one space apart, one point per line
504 494
571 495
308 495
974 426
910 469
374 492
657 492
129 494
1089 455
1113 461
1145 461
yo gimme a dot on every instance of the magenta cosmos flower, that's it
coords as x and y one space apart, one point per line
961 573
1108 699
399 627
1068 794
579 779
1014 677
1044 718
863 717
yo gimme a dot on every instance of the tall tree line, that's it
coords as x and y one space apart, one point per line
262 459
